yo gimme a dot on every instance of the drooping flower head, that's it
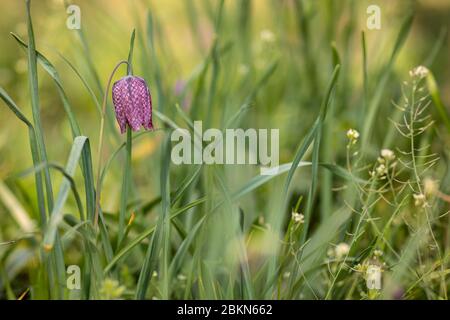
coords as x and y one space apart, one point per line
132 103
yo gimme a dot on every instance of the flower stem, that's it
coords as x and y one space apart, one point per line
100 142
125 188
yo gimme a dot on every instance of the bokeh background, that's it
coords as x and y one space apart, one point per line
254 35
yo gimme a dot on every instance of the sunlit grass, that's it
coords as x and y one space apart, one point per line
363 180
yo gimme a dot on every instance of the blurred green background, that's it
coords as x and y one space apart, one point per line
254 35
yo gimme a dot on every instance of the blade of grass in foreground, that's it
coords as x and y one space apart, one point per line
39 186
314 134
34 152
57 214
326 150
159 241
86 165
55 264
61 169
51 70
33 86
315 157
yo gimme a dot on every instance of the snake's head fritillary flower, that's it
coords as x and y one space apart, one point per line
132 103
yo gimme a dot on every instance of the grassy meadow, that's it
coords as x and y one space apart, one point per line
363 185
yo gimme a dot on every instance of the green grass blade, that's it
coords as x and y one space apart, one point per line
40 167
374 105
34 94
125 188
34 152
84 81
435 94
57 213
51 70
148 232
183 249
158 242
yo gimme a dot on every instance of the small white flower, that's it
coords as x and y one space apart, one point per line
341 250
381 170
419 200
360 267
378 253
352 135
388 154
419 72
181 277
298 217
267 36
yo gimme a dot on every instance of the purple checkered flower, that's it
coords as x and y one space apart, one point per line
132 103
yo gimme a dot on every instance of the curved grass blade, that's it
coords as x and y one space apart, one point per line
34 153
57 214
40 167
51 70
84 81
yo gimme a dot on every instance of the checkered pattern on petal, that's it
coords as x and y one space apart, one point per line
119 93
132 103
145 101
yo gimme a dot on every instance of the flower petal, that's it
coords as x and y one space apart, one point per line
119 100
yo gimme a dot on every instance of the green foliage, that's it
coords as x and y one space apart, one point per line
364 172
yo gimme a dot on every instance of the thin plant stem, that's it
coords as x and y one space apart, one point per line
100 142
125 188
